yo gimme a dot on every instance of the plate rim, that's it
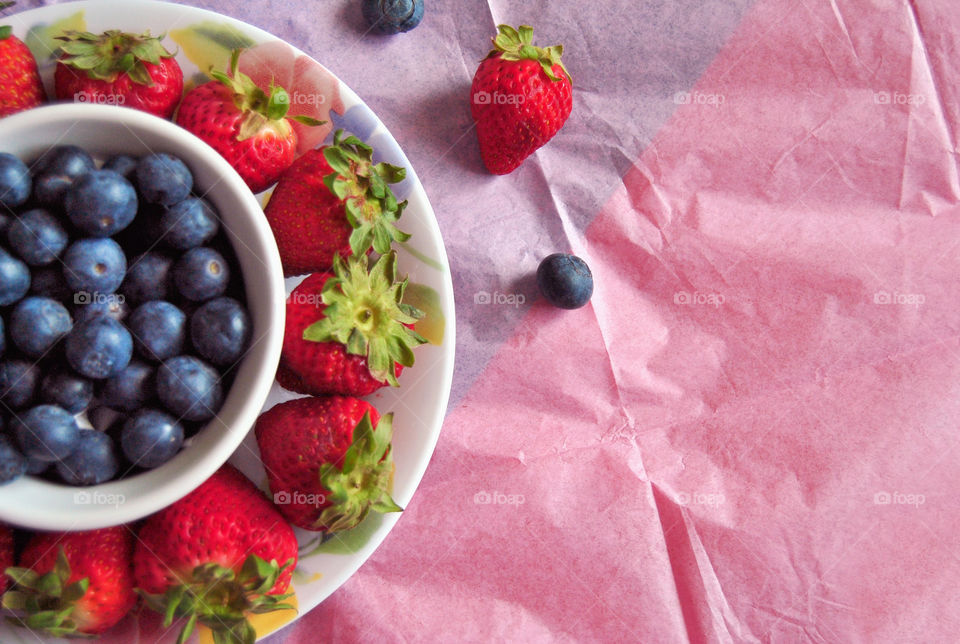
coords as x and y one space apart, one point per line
448 346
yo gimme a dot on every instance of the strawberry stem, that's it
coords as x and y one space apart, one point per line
105 56
371 207
517 44
45 602
220 598
365 312
363 480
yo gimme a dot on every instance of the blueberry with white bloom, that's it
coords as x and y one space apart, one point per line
46 432
93 460
149 277
38 323
101 203
15 181
56 171
190 388
163 178
220 330
13 464
66 389
14 278
99 348
189 223
94 266
18 383
130 389
151 437
201 274
159 330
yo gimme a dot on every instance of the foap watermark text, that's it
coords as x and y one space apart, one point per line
497 298
683 298
898 498
885 298
498 498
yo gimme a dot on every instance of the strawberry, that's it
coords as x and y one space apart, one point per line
334 200
327 460
74 582
213 556
6 554
20 84
245 124
522 95
118 68
348 332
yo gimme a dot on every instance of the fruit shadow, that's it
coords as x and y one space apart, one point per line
445 126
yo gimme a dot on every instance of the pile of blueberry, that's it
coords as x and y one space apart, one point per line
121 314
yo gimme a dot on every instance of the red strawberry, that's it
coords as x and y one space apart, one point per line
348 332
334 200
522 95
328 461
6 554
245 124
20 84
74 582
213 556
118 68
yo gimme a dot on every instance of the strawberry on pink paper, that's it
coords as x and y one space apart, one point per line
313 91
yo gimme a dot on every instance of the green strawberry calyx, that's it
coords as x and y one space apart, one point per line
261 110
517 44
364 189
105 56
45 602
363 480
5 30
365 312
220 599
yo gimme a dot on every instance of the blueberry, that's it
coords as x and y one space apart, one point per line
122 164
159 330
110 306
201 274
13 464
99 348
48 281
66 160
56 171
36 466
565 280
189 224
151 437
66 389
149 277
190 388
131 389
93 461
163 178
38 323
14 278
15 182
46 432
220 330
94 266
37 237
101 203
49 189
18 382
393 16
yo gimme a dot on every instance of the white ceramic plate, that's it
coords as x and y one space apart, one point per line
419 404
